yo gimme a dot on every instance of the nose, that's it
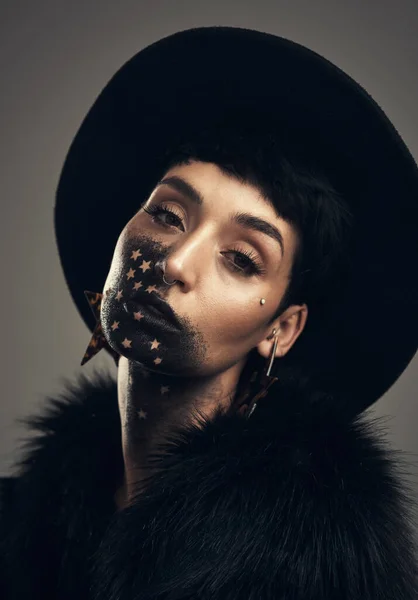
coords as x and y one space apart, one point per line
185 261
160 269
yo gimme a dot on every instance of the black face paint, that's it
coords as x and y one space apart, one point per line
130 325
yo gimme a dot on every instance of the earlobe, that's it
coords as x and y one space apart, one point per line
287 331
265 346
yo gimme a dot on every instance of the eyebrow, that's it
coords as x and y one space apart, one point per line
245 220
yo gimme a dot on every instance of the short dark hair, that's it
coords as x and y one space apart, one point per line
301 196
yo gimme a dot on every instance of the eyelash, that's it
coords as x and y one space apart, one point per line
256 268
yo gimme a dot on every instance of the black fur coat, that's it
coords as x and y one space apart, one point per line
297 503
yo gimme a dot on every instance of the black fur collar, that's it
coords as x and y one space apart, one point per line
298 502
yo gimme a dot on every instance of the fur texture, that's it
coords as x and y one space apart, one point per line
300 502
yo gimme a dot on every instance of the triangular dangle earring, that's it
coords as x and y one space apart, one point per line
98 340
265 381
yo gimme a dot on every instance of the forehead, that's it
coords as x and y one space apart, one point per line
219 188
222 196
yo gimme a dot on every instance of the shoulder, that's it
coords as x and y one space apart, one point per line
299 500
65 444
53 507
84 411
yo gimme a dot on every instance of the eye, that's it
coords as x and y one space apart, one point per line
249 266
156 210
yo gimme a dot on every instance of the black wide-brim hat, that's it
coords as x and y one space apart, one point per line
365 336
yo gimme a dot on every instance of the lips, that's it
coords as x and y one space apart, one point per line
158 306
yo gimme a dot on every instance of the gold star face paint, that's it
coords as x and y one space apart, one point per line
132 322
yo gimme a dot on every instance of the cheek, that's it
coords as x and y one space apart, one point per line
133 261
233 320
117 265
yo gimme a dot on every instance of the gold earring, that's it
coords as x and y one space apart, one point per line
262 301
271 334
271 359
266 380
98 340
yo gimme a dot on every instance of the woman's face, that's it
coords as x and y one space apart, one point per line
216 297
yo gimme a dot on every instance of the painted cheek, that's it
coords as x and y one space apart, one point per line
136 274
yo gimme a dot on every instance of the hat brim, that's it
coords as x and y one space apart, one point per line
355 345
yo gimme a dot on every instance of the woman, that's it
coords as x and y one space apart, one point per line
231 234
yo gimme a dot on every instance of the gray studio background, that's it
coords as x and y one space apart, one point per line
55 59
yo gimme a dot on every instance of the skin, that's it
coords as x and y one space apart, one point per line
167 378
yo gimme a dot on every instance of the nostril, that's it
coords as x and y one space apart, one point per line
159 268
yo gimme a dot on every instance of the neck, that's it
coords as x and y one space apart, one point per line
152 405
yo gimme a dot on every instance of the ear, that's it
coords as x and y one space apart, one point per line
288 327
